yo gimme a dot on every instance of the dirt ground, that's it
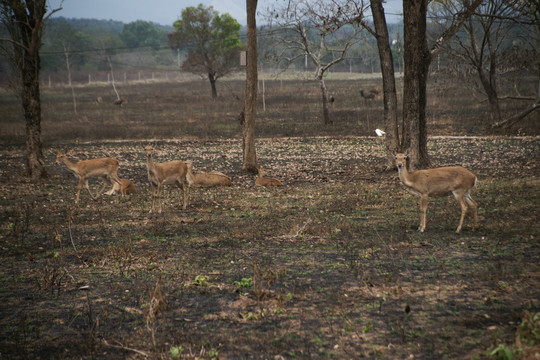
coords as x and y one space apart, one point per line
329 266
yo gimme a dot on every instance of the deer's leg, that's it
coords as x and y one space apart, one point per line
115 179
423 210
463 205
182 186
160 187
472 204
152 194
79 187
110 192
88 188
102 187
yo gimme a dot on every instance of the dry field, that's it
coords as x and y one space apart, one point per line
329 266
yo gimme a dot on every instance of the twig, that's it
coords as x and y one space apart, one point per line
71 235
123 347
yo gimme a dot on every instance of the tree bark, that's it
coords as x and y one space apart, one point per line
35 166
25 23
250 107
390 112
324 93
416 64
489 83
212 79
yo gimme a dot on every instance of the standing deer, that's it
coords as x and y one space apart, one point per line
167 173
206 179
125 187
106 168
266 181
439 182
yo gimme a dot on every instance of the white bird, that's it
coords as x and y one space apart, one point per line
379 132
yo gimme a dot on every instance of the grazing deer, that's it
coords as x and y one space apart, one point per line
106 168
125 187
266 181
439 182
375 91
172 172
369 96
206 179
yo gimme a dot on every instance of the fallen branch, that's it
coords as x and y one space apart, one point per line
123 347
514 119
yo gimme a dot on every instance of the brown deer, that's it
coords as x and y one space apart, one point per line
439 182
125 188
375 91
368 96
106 168
266 181
206 179
167 173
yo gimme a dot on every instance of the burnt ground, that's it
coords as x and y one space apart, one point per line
328 266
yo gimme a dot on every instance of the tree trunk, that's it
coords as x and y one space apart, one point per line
416 63
35 166
68 68
27 30
390 113
489 83
212 80
248 125
324 92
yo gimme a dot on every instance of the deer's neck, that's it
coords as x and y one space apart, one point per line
189 174
69 164
150 166
405 176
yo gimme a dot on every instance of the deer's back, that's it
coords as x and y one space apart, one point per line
441 181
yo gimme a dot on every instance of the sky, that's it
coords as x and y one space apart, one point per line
166 12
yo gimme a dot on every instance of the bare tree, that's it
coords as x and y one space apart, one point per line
528 14
389 82
481 44
250 107
321 31
417 58
24 21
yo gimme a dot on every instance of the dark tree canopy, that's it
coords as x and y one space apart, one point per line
142 33
211 40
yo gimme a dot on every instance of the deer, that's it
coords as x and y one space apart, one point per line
125 188
440 181
375 91
266 181
106 168
206 179
118 102
368 96
167 173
